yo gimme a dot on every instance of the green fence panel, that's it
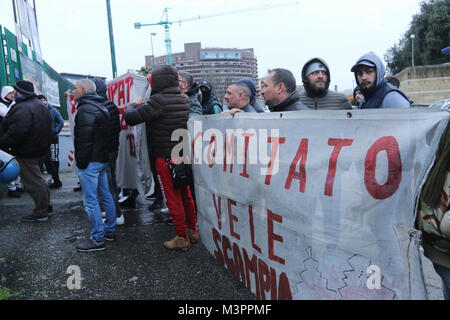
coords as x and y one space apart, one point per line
15 70
3 72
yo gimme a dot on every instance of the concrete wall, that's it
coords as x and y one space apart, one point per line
426 84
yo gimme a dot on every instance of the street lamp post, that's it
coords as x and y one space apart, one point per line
111 39
153 55
412 49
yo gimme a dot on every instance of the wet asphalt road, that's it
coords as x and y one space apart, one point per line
34 258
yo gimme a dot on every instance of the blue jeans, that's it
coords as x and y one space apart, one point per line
94 186
444 273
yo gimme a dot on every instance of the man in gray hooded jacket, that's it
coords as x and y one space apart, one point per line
316 81
378 92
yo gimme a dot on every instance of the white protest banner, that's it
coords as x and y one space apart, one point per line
133 165
316 204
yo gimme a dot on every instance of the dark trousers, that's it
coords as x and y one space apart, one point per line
52 162
34 183
112 182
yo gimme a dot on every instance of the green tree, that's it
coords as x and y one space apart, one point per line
431 27
145 71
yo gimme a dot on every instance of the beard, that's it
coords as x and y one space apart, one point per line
367 91
315 91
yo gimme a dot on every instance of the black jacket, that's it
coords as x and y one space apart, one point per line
113 123
291 103
91 132
166 111
27 128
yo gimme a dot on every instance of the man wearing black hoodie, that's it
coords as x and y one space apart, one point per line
113 127
27 134
91 155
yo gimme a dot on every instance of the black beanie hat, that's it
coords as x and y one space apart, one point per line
41 96
25 87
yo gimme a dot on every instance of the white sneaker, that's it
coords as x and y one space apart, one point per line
103 214
120 220
165 211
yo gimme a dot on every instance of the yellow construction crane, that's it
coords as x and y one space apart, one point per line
166 23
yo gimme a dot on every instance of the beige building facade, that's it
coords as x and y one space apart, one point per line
426 84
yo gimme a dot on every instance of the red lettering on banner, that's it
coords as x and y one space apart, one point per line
338 145
247 137
266 279
226 245
275 145
198 135
121 99
218 211
232 218
395 168
123 90
129 81
284 288
218 253
211 161
238 263
252 229
273 237
302 154
251 266
130 139
229 149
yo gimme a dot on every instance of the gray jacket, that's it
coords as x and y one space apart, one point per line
332 101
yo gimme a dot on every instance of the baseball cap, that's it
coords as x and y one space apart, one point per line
363 62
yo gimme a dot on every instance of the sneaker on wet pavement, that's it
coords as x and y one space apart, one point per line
33 218
178 243
91 246
109 236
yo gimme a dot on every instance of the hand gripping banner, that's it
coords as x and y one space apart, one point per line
316 204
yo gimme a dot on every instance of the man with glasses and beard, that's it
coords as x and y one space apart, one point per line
317 96
378 92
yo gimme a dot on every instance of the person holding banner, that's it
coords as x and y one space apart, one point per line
279 91
369 73
165 112
91 155
27 134
113 127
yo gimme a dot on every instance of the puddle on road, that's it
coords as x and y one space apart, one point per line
142 217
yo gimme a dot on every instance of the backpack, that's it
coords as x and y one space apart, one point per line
434 221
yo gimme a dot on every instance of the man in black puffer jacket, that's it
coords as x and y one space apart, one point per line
166 111
113 127
91 155
27 134
280 92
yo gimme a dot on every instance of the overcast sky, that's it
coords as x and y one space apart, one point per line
74 33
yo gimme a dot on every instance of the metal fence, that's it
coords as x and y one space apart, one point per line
20 64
